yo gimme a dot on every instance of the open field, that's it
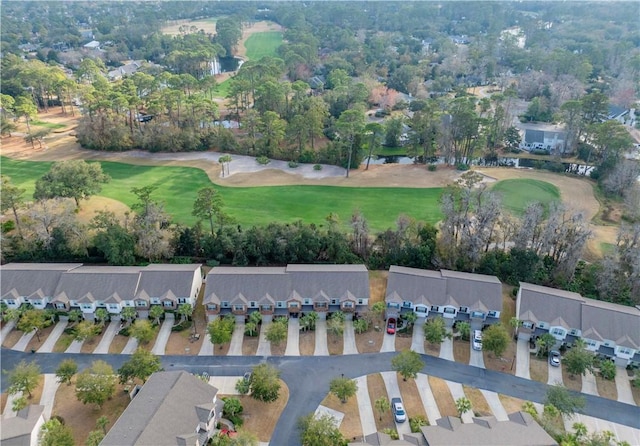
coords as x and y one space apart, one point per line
263 44
517 194
172 27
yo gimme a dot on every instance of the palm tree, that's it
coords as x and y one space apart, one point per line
75 316
156 313
128 314
382 405
102 315
185 311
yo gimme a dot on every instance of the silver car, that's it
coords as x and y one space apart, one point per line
554 358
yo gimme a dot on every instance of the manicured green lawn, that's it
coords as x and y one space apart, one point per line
263 44
518 193
222 89
49 125
177 188
391 151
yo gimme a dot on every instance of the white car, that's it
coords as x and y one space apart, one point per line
398 410
477 340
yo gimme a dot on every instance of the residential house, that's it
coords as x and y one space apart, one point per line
31 283
609 330
24 428
125 70
449 294
543 137
72 285
172 408
93 45
286 291
382 439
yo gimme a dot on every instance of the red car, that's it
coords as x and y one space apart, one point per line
391 325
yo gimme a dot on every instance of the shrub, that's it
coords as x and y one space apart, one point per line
124 332
293 164
392 433
263 160
416 422
432 167
307 156
462 166
540 152
317 167
243 386
181 326
608 370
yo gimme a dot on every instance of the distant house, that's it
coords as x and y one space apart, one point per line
290 290
617 113
64 286
172 408
24 428
316 83
543 137
609 330
93 45
125 70
519 430
450 294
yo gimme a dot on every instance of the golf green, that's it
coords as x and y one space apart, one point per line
517 194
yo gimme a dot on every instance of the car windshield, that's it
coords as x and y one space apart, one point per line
399 411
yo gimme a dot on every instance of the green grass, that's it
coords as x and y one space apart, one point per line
607 248
177 188
222 89
518 193
49 125
391 151
263 44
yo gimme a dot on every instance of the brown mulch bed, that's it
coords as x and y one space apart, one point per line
221 350
180 341
34 344
432 349
82 418
371 340
442 395
261 418
118 343
335 344
403 341
479 404
307 342
606 388
377 389
250 345
461 351
90 344
12 338
278 349
571 382
350 426
411 398
538 369
505 363
510 403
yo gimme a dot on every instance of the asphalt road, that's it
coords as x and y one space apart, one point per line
308 380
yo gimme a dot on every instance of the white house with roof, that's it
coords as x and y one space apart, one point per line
609 330
453 295
543 136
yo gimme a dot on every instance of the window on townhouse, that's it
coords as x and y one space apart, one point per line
113 306
307 302
87 306
450 310
253 304
321 304
464 309
10 302
238 308
167 303
590 343
224 304
183 300
36 302
624 351
493 314
60 305
266 307
421 309
335 301
406 304
434 308
212 307
141 303
99 303
558 332
293 305
155 300
360 301
528 325
279 304
348 304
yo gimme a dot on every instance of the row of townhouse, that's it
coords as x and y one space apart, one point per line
609 330
453 295
287 291
65 286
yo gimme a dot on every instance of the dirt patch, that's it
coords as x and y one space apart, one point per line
90 344
89 208
508 306
442 395
307 343
34 343
260 418
350 426
335 344
403 341
479 404
221 350
82 418
411 398
571 382
377 389
12 338
606 388
182 343
461 351
377 286
538 369
118 343
371 340
505 363
279 348
172 28
250 345
431 348
510 403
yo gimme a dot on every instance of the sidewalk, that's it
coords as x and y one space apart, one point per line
349 336
365 406
47 346
321 338
293 337
163 336
49 390
109 334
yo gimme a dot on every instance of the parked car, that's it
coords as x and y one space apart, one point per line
477 340
398 410
391 325
554 358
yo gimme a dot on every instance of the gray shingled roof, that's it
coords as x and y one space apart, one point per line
444 288
617 323
167 281
520 429
16 431
90 283
269 284
548 303
169 405
31 279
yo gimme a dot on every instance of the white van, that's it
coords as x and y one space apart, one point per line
477 340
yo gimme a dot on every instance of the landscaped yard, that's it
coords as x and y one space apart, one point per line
263 44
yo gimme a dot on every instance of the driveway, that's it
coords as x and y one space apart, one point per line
74 347
163 335
264 346
393 391
235 349
109 334
321 338
130 347
457 392
589 384
476 359
293 337
388 343
207 347
47 346
49 390
349 338
620 432
623 386
555 375
365 406
22 343
495 404
446 348
522 359
417 341
428 400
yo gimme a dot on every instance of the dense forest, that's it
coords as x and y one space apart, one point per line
414 65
